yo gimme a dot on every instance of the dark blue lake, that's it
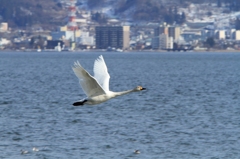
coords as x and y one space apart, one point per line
191 108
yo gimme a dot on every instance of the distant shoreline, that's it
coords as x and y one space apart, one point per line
130 51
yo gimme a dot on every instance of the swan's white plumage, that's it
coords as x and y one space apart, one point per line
97 88
88 83
101 73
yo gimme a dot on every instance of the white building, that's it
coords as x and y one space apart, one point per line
221 34
165 42
236 35
85 39
170 43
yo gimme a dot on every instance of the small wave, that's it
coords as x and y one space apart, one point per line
3 103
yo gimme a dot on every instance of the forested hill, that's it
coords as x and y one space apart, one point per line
50 13
164 9
156 10
22 13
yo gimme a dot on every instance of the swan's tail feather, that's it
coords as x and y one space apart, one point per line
79 103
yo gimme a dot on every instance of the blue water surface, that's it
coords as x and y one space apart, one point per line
191 108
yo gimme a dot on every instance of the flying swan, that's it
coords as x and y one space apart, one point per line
97 87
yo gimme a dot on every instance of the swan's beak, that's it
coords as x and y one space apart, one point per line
143 89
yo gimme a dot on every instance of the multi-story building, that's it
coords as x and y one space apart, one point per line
117 37
236 35
221 34
162 29
155 42
174 32
165 35
86 39
165 42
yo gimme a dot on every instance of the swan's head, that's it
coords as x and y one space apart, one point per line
139 88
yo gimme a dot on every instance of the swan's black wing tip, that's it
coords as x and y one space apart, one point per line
79 103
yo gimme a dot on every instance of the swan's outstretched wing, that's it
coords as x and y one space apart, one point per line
101 73
88 83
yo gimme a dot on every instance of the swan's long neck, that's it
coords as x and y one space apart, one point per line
123 92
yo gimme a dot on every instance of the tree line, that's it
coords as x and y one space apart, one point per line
22 13
146 10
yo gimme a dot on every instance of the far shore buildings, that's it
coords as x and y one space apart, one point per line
164 36
117 37
64 34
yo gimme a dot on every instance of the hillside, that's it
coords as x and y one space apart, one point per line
152 10
22 13
156 10
51 13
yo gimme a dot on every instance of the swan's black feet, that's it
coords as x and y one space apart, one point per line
79 103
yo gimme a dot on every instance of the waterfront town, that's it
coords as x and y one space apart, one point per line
206 27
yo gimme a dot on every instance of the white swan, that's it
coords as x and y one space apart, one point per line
35 149
97 88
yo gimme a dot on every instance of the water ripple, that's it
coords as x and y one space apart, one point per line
190 109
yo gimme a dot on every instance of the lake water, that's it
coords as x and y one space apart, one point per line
191 108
